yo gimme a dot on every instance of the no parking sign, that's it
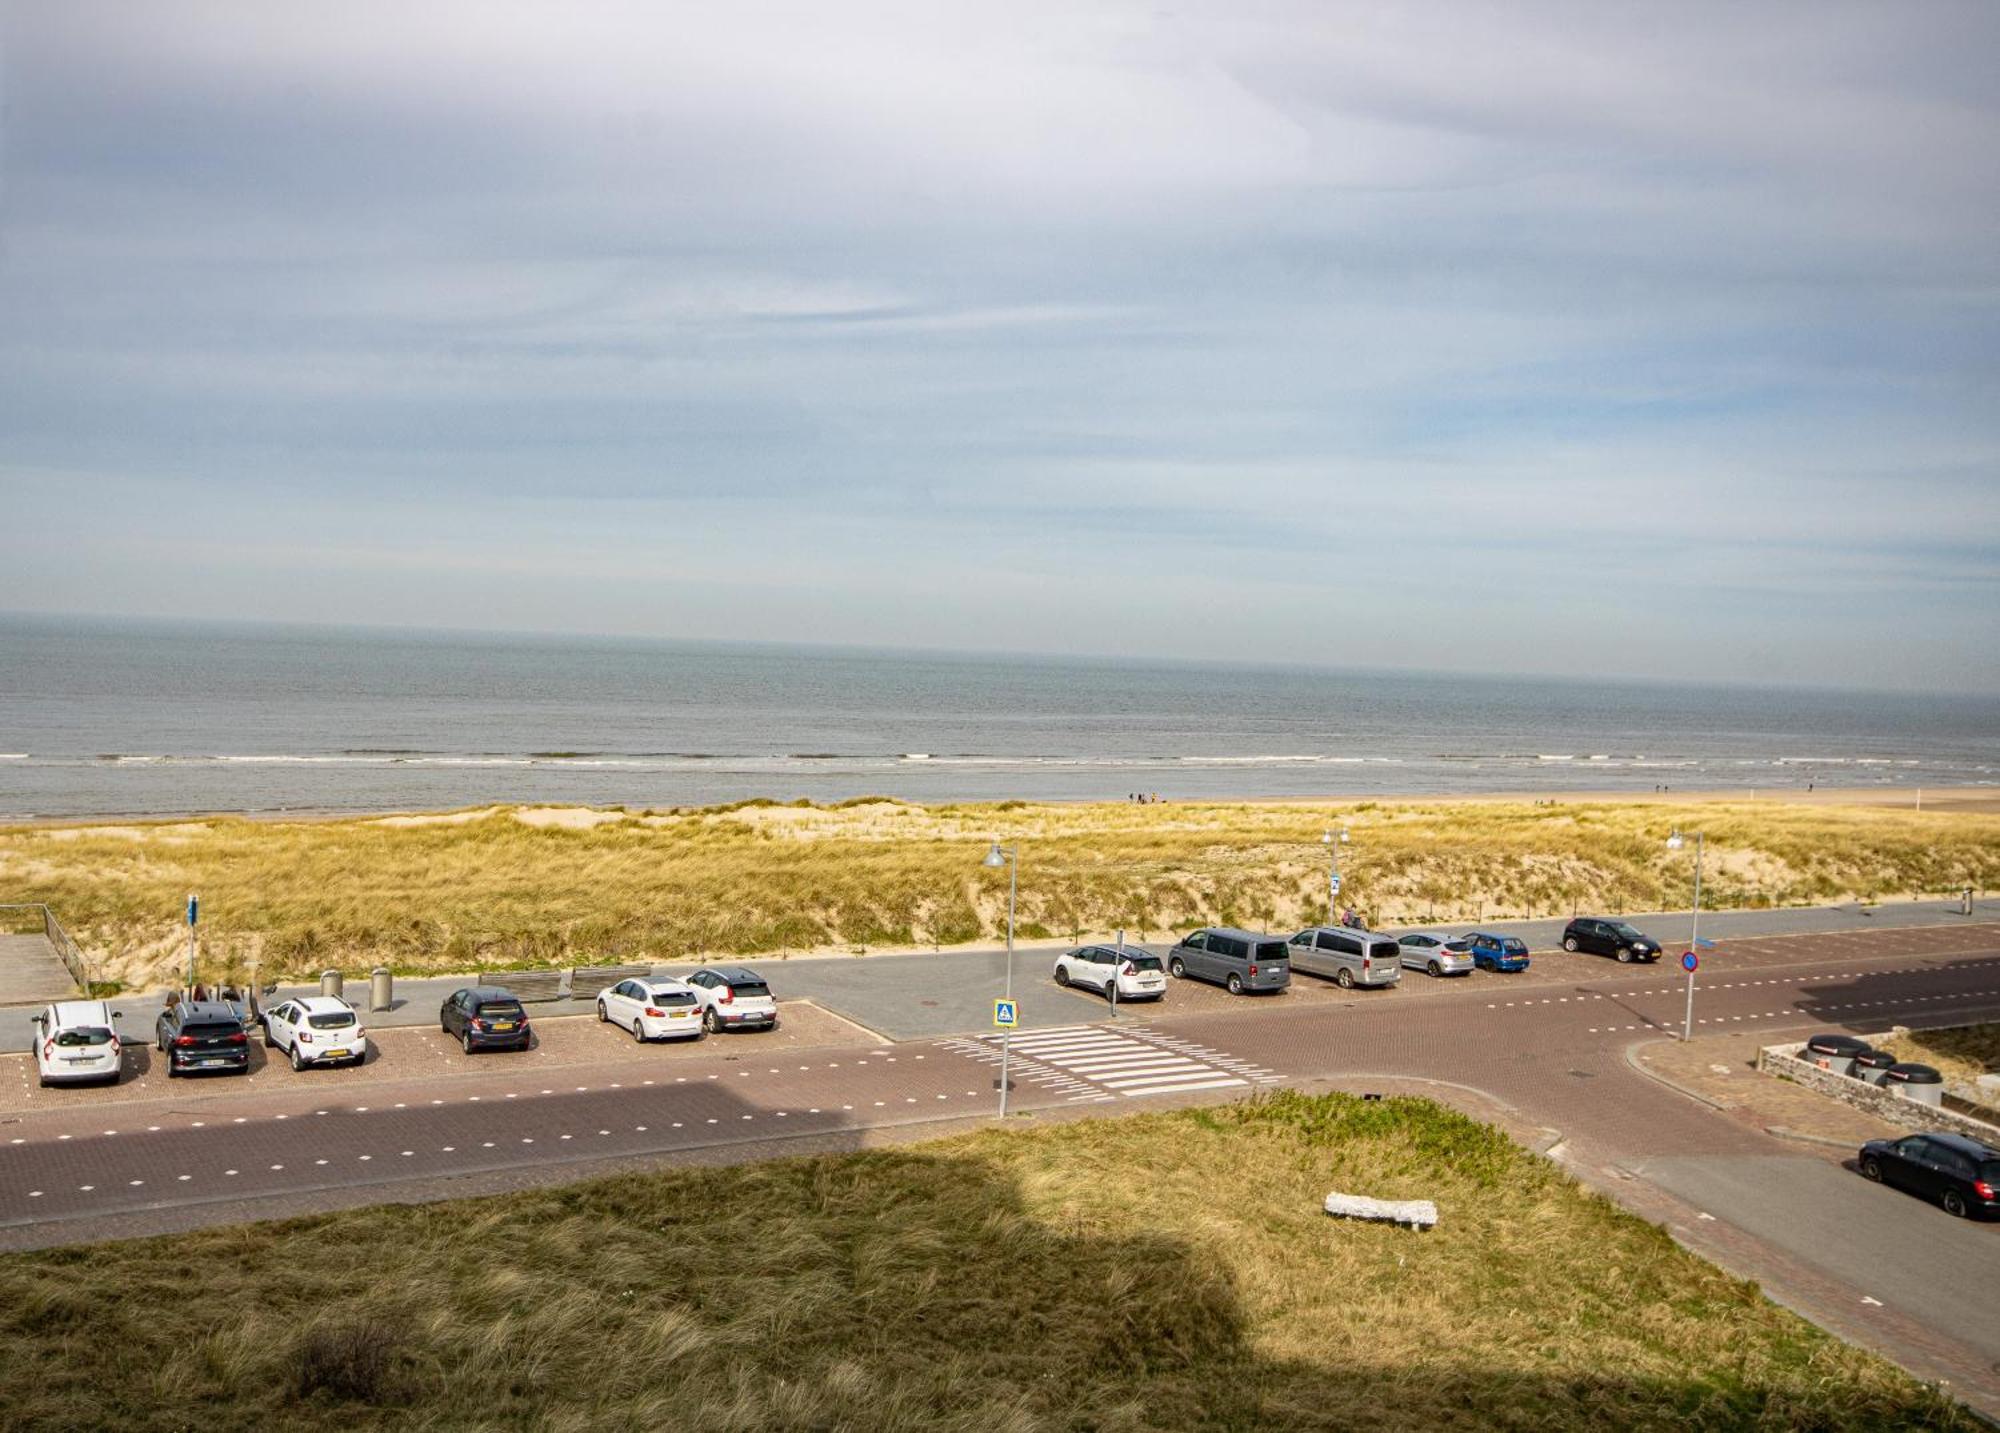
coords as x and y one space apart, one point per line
1689 960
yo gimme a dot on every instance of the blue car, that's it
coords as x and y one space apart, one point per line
1497 952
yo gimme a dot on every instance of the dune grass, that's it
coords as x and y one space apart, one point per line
523 886
1168 1271
1963 1052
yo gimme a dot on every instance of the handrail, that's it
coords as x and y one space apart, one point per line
59 940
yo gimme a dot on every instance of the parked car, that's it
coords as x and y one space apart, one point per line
203 1035
652 1009
1347 956
485 1017
1239 960
1497 952
734 997
316 1030
1959 1172
1435 954
1139 975
76 1041
1609 937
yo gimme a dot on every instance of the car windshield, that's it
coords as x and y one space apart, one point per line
1143 962
336 1020
87 1035
500 1010
750 989
1271 950
673 998
1625 932
1514 947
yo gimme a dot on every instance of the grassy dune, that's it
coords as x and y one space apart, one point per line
1170 1271
524 886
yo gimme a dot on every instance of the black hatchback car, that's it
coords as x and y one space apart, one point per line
202 1035
485 1017
1609 937
1955 1170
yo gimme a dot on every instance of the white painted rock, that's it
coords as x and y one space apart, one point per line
1418 1213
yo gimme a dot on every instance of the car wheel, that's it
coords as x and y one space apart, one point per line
297 1063
1062 976
1235 983
1434 968
1177 970
1871 1169
1344 978
466 1041
709 1022
1954 1203
1569 944
602 1017
1624 956
638 1030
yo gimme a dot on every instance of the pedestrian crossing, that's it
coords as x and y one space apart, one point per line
1096 1064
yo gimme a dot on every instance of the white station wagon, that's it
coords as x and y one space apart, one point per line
75 1041
652 1009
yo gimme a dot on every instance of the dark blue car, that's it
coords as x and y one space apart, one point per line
1497 952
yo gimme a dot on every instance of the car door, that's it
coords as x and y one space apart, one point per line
618 1004
1299 950
1905 1165
703 985
281 1025
454 1012
1190 949
1338 951
1103 968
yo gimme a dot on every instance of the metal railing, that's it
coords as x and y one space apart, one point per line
59 941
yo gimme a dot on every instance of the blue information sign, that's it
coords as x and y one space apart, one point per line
1689 961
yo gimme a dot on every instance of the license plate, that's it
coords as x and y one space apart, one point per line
336 1054
214 1062
503 1024
680 1015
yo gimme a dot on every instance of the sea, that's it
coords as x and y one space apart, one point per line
101 718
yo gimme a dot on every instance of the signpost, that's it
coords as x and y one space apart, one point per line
1006 1015
1690 962
194 914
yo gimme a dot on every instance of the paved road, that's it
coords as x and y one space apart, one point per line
1552 1043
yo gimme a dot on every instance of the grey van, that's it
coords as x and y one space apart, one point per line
1239 959
1347 956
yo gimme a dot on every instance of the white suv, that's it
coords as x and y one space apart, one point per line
1137 973
316 1030
733 997
652 1009
75 1041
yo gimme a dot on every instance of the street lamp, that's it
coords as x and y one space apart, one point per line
1010 857
1333 844
1674 843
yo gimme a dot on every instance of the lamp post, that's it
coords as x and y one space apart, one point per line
1333 843
1010 857
1674 843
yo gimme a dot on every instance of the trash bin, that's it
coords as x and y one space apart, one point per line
331 983
1834 1052
381 989
1871 1065
1916 1082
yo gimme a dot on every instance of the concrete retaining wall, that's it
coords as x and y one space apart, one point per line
1784 1062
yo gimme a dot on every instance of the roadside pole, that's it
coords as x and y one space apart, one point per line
1694 938
194 914
1117 969
1006 1014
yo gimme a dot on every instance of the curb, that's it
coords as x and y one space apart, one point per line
1632 1062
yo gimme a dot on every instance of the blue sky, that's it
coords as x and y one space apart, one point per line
1553 338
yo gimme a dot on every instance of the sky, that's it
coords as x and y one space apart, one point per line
1557 338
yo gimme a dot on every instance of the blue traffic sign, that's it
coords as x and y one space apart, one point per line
1689 960
194 908
1333 884
1006 1014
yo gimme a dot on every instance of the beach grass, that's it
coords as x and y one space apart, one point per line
1166 1271
507 887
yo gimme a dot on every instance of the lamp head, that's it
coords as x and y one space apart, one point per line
1675 841
993 856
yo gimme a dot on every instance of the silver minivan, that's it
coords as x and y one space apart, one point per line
1240 960
1347 956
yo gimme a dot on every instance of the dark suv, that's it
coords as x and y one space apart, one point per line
1609 937
485 1017
1957 1171
202 1035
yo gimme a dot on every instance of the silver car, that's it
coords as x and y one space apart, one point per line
1437 954
1347 956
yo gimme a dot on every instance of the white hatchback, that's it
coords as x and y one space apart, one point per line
316 1030
75 1041
652 1009
1138 973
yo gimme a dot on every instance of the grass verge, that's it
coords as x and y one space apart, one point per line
510 887
1168 1271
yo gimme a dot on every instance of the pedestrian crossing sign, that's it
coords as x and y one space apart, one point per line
1006 1015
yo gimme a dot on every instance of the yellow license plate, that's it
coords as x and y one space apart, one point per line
503 1024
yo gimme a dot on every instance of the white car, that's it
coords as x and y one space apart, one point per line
75 1040
1138 973
734 997
316 1030
652 1009
1437 954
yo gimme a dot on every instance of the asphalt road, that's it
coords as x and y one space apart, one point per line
1551 1043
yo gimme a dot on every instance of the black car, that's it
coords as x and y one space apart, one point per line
1957 1171
485 1017
202 1035
1609 937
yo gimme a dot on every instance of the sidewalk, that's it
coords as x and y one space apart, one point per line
1720 1070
